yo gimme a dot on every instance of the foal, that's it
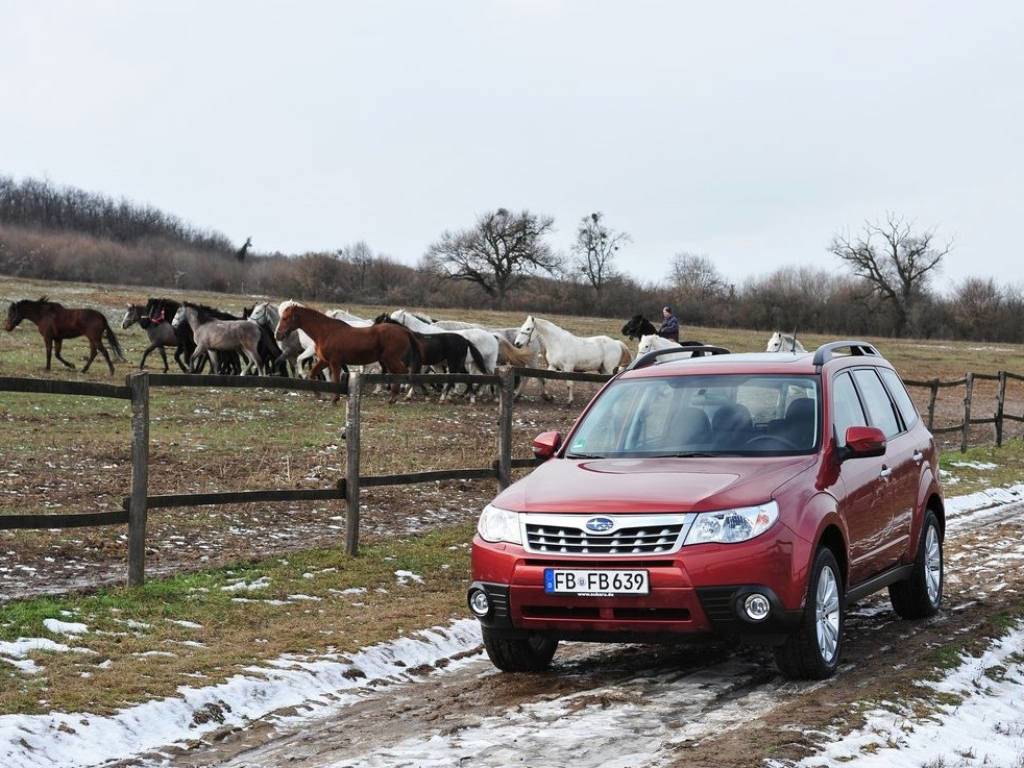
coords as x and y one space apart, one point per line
161 334
339 345
55 324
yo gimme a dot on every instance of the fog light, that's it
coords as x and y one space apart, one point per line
757 607
478 602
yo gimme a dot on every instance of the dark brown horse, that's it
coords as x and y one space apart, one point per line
339 345
55 324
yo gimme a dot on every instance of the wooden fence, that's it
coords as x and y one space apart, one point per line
137 504
998 417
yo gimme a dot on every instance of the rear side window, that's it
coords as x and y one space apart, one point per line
899 394
845 407
877 402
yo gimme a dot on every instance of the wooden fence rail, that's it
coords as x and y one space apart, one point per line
137 389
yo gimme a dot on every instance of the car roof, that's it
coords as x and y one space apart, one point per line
801 363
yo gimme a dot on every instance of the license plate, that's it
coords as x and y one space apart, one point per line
559 581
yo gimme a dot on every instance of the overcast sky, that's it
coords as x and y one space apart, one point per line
748 131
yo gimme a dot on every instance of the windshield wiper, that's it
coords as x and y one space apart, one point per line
585 456
694 455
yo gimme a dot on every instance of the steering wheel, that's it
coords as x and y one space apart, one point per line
776 438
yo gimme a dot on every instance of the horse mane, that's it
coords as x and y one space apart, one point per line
42 301
209 311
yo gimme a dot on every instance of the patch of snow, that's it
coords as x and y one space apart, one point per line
186 624
973 506
985 729
59 627
248 586
77 739
15 652
404 577
980 465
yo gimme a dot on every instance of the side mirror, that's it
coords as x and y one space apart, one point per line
863 442
546 444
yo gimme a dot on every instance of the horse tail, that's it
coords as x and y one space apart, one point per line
112 339
478 359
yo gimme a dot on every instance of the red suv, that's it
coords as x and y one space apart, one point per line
745 495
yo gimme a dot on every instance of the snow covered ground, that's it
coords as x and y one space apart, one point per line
982 726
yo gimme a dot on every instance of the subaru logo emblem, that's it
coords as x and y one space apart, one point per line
599 524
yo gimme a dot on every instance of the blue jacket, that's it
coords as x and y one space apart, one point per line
670 328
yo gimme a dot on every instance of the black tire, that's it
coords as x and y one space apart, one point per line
531 653
911 599
801 657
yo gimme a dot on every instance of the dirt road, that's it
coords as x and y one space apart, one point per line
616 707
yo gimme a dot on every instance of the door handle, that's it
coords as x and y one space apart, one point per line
886 471
918 456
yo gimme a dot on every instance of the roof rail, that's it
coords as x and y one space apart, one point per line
824 353
650 358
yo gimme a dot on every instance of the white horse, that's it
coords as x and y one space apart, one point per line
485 341
567 352
784 342
652 341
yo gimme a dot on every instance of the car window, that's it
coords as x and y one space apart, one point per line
705 415
846 408
877 402
899 394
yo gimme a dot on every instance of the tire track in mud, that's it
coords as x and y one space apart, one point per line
614 706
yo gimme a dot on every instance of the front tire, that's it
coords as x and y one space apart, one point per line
529 653
812 652
921 595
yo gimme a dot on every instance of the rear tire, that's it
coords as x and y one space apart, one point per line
530 653
921 595
813 651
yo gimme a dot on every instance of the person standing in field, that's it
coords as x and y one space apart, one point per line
669 325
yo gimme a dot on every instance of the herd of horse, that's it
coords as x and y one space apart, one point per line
291 339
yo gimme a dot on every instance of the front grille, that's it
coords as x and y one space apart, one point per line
633 540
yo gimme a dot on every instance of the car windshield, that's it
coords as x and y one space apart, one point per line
697 416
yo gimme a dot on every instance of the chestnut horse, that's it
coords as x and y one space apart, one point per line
55 324
339 344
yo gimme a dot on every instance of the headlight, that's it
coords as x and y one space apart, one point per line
732 525
499 525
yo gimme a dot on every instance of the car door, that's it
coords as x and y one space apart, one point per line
862 501
910 449
892 469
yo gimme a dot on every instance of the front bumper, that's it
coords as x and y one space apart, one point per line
698 591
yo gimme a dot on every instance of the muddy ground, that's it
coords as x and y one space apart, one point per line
602 705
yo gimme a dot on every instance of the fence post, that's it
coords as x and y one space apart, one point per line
968 394
507 393
139 385
353 404
1000 398
931 403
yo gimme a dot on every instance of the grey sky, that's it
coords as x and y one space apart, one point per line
747 131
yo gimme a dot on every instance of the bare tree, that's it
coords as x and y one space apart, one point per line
498 254
595 248
894 262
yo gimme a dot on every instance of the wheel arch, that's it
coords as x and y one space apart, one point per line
833 539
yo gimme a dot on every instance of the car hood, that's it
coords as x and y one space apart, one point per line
650 485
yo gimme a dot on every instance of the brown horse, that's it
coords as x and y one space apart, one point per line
55 324
339 344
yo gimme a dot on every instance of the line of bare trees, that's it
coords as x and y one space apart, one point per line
504 259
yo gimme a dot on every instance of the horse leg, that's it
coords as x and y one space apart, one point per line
336 378
103 351
92 356
49 350
163 355
57 344
314 372
214 361
150 348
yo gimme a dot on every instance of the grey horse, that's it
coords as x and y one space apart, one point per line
215 336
